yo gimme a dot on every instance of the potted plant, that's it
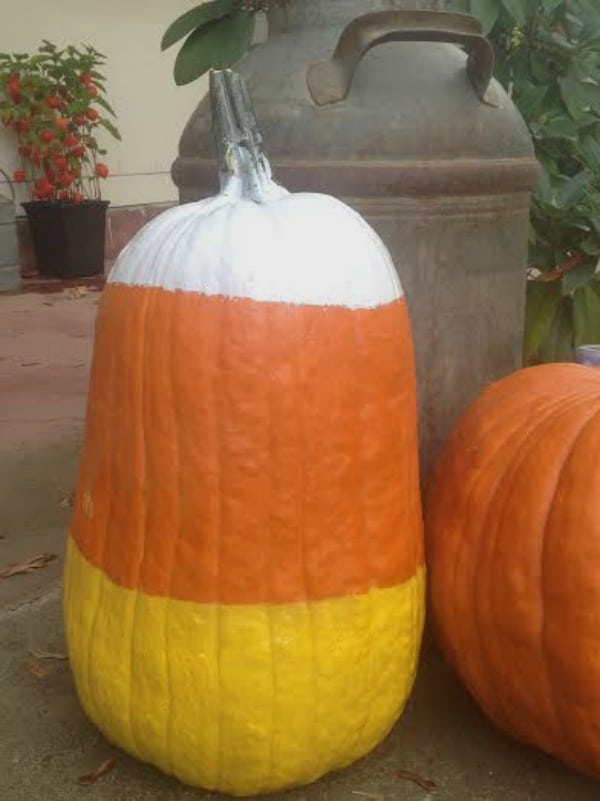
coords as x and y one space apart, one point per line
54 102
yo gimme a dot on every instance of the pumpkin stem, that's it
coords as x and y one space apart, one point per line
243 167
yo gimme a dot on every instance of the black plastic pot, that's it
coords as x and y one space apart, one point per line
68 238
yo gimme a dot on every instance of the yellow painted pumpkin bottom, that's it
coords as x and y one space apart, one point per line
243 699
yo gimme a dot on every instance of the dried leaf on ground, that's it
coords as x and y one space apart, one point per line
371 796
37 670
421 781
102 769
77 292
49 655
34 563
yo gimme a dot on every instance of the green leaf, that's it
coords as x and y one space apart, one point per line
579 275
518 10
591 245
590 150
195 18
105 104
486 12
530 99
572 191
462 6
110 128
557 345
580 97
218 44
550 5
544 187
543 300
586 312
561 127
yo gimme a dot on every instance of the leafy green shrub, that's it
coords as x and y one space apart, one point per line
548 58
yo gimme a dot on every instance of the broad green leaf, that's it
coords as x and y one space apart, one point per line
530 99
518 10
586 311
572 191
462 6
486 12
544 187
195 18
543 300
550 5
217 44
590 150
591 245
557 345
579 275
580 97
561 127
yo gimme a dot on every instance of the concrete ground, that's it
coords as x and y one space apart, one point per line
46 742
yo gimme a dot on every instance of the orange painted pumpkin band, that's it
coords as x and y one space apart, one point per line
221 445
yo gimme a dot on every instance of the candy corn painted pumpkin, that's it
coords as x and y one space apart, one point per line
513 545
244 579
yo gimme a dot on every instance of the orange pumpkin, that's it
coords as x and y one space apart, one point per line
513 539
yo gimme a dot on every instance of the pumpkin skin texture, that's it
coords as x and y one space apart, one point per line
513 548
244 586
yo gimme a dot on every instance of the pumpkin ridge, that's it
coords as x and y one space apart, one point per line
516 431
173 405
554 694
104 537
143 467
528 444
359 408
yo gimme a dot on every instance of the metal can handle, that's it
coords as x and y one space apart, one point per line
330 81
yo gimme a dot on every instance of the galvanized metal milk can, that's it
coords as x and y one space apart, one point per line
393 117
10 269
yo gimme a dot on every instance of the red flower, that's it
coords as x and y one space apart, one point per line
35 157
65 178
71 141
13 87
19 176
92 90
60 162
92 114
22 125
102 170
78 197
25 150
78 152
86 79
62 123
63 194
53 102
79 119
47 136
44 189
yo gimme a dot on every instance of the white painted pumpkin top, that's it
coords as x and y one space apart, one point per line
293 248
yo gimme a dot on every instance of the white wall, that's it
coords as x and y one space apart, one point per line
151 110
